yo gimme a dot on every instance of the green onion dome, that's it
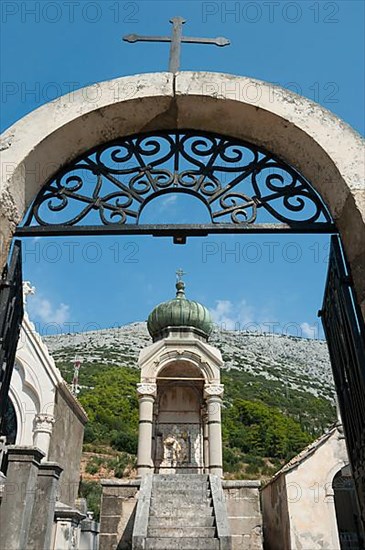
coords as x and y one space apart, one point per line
179 312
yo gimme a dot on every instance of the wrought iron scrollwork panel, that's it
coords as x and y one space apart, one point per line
238 182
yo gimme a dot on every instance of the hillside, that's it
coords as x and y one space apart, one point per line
298 363
279 396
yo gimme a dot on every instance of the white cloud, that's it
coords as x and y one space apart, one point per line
233 316
43 310
242 316
309 331
170 200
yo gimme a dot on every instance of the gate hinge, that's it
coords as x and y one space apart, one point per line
5 283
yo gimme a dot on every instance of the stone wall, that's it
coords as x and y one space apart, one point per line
66 442
118 508
276 516
244 513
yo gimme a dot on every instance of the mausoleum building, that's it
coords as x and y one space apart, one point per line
180 394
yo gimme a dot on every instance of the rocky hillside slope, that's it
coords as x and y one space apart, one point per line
296 363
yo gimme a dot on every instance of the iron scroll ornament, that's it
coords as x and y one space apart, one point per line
239 183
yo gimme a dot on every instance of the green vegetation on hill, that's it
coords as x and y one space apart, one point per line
112 406
259 436
313 414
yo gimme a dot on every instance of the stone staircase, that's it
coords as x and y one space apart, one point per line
182 514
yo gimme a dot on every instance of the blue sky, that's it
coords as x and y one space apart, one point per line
313 48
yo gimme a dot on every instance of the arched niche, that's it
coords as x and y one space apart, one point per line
179 443
199 355
26 399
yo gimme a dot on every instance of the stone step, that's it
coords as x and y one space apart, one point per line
181 500
181 490
185 478
166 487
182 477
180 487
181 532
167 509
181 497
183 511
182 521
176 505
184 543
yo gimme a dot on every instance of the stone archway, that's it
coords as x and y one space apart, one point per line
327 152
318 144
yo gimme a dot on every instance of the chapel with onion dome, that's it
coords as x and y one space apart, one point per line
180 393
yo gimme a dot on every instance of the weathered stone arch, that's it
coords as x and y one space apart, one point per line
25 396
19 413
192 360
317 143
328 486
152 368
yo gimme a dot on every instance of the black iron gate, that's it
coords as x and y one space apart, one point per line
11 315
345 333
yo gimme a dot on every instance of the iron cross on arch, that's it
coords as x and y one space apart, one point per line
175 40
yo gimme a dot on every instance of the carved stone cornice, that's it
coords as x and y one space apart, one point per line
213 390
144 388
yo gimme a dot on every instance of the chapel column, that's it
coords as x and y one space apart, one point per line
213 396
146 396
205 440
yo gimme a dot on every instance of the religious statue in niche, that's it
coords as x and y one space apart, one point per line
176 447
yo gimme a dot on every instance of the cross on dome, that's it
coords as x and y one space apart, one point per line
179 274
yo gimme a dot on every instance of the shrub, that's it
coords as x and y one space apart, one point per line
91 490
125 441
91 468
119 464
